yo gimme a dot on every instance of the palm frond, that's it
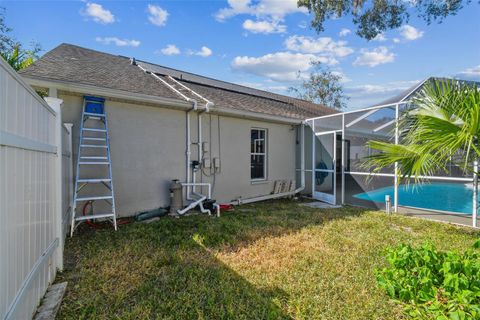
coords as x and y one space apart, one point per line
445 122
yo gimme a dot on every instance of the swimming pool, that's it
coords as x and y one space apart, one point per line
453 197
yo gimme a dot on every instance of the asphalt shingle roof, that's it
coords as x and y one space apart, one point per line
73 64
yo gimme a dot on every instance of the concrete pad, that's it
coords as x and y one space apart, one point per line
51 302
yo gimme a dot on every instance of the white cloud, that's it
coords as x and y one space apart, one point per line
396 40
343 76
264 26
203 52
279 66
410 33
99 14
375 89
324 45
274 9
366 95
380 37
158 16
470 74
303 25
344 32
374 57
118 42
261 86
170 50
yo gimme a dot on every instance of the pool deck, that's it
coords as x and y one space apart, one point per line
465 220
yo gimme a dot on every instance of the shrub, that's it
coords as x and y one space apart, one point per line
432 284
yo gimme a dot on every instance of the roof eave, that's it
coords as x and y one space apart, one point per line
161 101
254 116
107 92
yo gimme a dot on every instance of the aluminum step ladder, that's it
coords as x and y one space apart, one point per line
94 166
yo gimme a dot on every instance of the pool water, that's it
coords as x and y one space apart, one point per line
454 197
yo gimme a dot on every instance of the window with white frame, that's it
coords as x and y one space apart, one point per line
258 154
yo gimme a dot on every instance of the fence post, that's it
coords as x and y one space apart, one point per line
475 194
55 104
70 181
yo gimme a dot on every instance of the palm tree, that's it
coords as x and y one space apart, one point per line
18 58
443 126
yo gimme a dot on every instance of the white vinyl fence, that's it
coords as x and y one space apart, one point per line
35 193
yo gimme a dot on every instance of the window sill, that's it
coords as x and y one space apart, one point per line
260 181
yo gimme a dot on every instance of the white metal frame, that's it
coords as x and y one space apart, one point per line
323 196
370 111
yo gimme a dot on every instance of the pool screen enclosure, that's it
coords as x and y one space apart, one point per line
338 175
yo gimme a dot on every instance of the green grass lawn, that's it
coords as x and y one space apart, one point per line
274 260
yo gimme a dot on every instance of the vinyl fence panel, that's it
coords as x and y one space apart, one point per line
31 243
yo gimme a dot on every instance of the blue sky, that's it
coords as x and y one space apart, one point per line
260 43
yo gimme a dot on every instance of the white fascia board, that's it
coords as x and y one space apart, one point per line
162 102
254 116
107 92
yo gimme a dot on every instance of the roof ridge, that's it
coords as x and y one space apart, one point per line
73 63
278 97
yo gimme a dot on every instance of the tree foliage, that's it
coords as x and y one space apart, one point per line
443 127
322 86
376 16
13 51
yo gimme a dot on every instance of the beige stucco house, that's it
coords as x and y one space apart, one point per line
244 140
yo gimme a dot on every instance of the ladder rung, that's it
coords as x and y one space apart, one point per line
93 158
94 139
92 146
94 130
96 115
93 180
93 162
94 216
94 198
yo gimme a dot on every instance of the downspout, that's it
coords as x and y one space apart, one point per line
208 104
189 142
284 194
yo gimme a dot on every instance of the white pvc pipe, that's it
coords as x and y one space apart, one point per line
199 145
202 209
188 152
205 184
191 205
199 201
263 198
217 207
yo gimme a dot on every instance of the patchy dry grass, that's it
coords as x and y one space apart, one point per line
276 260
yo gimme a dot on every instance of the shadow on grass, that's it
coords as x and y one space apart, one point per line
169 270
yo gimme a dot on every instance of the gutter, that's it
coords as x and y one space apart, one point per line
107 92
161 101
